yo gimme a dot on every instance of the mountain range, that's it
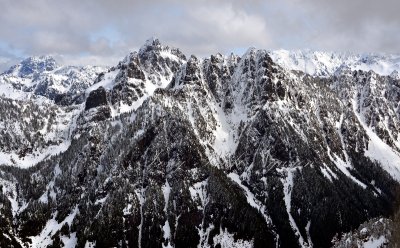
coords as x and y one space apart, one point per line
268 149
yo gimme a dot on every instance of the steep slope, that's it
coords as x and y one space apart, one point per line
40 102
136 78
228 151
31 132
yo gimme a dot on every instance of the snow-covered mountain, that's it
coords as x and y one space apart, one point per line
42 76
34 124
326 64
162 150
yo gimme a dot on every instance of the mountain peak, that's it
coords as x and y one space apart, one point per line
154 46
33 65
150 45
395 74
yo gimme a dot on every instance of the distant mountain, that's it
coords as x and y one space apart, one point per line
42 76
33 66
318 63
164 150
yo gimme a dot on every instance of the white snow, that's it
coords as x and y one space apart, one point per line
52 226
7 91
167 233
250 197
375 243
141 197
287 190
380 151
364 230
309 241
319 63
59 132
226 240
49 189
204 235
101 201
90 244
328 173
224 143
166 192
338 129
305 61
70 241
377 149
107 82
10 191
222 126
127 209
199 192
168 54
166 188
32 159
343 166
148 91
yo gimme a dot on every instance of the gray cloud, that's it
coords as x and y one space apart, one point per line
102 30
357 25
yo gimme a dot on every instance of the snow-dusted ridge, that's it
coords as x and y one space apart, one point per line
42 76
319 63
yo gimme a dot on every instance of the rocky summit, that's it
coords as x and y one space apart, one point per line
268 149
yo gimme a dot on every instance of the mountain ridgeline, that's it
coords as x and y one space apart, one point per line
162 150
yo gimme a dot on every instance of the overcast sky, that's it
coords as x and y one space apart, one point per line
103 31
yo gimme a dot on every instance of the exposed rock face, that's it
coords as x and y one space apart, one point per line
96 98
225 151
140 73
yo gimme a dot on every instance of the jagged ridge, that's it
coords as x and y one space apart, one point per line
227 150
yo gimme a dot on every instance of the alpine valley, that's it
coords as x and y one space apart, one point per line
270 149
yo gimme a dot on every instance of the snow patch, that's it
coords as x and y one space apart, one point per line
375 243
52 226
141 197
90 244
166 188
199 192
166 192
343 167
70 241
287 190
318 63
31 159
328 173
167 234
377 149
107 82
10 191
250 197
227 240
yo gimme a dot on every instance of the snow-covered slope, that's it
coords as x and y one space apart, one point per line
320 63
34 123
42 76
138 75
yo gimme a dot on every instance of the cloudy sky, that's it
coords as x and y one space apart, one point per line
103 31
